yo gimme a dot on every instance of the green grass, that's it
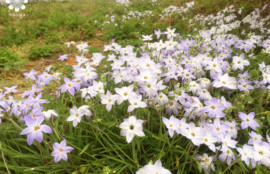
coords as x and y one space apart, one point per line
57 22
99 148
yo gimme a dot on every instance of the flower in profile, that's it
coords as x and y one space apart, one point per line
35 129
49 113
16 4
130 127
153 169
60 151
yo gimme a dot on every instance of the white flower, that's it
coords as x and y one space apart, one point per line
161 99
69 43
262 153
170 33
136 102
49 113
147 37
153 169
85 110
48 69
82 47
206 162
239 62
56 75
108 100
76 115
123 2
225 81
227 154
171 124
16 4
130 127
246 153
124 93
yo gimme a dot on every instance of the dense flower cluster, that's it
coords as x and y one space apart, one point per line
173 10
180 74
139 15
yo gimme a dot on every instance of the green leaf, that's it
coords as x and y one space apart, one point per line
199 166
268 118
84 149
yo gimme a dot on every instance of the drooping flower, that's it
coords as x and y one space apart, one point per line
47 114
131 127
60 151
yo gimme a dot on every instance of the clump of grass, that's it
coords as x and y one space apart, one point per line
45 51
11 36
10 60
75 20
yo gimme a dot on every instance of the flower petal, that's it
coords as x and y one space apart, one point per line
46 129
